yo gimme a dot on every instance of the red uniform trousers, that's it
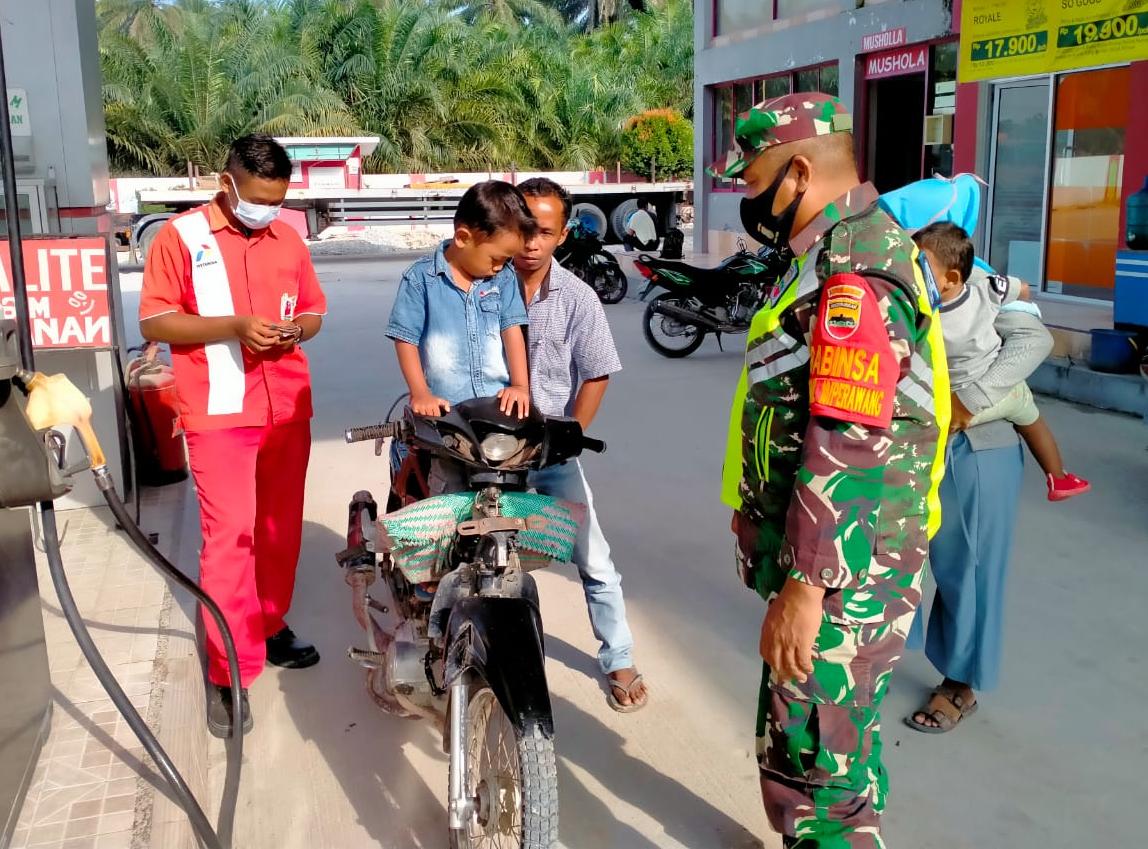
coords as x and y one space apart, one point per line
250 483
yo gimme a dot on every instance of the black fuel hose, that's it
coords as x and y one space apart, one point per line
171 572
205 836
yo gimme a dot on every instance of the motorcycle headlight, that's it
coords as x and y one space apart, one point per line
499 447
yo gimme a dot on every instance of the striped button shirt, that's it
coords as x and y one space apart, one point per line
569 341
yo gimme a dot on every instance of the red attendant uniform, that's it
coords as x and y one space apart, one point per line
247 416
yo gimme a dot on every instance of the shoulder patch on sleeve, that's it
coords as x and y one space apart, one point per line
999 284
853 370
842 314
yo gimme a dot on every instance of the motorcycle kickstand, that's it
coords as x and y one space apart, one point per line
719 345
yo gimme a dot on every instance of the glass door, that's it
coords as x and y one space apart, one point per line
1018 193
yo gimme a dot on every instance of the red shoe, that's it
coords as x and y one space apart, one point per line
1066 487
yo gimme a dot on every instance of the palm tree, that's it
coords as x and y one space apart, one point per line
522 12
183 95
590 15
445 84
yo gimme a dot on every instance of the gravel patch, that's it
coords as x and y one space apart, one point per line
338 241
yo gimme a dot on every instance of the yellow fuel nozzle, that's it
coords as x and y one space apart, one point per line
53 400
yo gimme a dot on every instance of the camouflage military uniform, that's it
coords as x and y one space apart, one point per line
834 457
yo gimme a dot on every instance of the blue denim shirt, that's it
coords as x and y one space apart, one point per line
458 334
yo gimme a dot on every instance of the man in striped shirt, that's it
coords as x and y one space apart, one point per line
572 356
233 292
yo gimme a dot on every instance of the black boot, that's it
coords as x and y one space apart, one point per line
288 651
219 712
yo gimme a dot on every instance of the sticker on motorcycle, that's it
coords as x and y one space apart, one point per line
843 310
675 276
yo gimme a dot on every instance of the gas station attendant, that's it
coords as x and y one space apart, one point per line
232 290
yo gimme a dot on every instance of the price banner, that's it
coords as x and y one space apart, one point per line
1014 38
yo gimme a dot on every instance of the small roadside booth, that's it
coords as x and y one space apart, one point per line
328 162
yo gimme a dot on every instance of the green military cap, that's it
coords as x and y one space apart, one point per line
790 118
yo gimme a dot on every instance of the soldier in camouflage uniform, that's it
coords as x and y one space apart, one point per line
834 456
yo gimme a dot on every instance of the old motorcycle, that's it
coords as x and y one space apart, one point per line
584 254
454 634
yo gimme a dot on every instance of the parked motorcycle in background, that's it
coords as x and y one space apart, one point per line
698 301
584 254
460 636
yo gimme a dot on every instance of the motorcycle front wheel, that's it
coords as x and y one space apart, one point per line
671 337
610 284
512 776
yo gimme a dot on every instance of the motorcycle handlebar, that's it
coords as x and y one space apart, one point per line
394 429
372 432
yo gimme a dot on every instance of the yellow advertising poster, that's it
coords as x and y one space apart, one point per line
1012 38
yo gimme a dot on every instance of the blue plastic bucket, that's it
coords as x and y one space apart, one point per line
1113 351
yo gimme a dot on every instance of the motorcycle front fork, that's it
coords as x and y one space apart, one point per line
460 806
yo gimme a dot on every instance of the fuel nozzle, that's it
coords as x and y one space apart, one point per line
53 400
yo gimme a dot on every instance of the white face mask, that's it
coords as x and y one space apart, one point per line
257 216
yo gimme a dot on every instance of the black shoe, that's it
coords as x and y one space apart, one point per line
288 651
219 713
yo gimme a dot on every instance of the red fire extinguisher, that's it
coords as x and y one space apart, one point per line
159 447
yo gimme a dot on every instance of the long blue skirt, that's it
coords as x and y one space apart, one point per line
969 558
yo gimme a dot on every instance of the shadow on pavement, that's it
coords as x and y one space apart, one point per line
584 741
367 753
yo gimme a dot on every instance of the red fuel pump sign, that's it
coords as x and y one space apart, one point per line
67 291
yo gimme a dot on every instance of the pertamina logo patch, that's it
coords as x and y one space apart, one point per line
843 310
206 255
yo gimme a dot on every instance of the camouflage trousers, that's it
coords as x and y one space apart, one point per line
819 743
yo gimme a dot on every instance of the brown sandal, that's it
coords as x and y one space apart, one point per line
946 707
628 691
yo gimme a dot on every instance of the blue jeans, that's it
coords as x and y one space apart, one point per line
600 579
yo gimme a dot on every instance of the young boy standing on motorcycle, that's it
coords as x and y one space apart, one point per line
572 356
458 316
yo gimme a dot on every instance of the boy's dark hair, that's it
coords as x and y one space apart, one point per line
494 206
949 244
540 187
260 156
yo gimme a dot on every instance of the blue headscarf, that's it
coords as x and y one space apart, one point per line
919 204
957 200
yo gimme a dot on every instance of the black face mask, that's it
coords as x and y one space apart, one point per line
762 224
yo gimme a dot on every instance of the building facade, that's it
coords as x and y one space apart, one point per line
1061 151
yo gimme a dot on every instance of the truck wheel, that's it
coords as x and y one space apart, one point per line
144 240
591 216
618 217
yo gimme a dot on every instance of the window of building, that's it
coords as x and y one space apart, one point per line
797 8
942 96
1091 115
732 99
741 15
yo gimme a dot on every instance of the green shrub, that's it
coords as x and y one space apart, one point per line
658 139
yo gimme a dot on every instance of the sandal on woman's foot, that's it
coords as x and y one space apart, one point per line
946 707
629 691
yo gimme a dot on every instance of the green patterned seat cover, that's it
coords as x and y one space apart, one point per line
419 535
